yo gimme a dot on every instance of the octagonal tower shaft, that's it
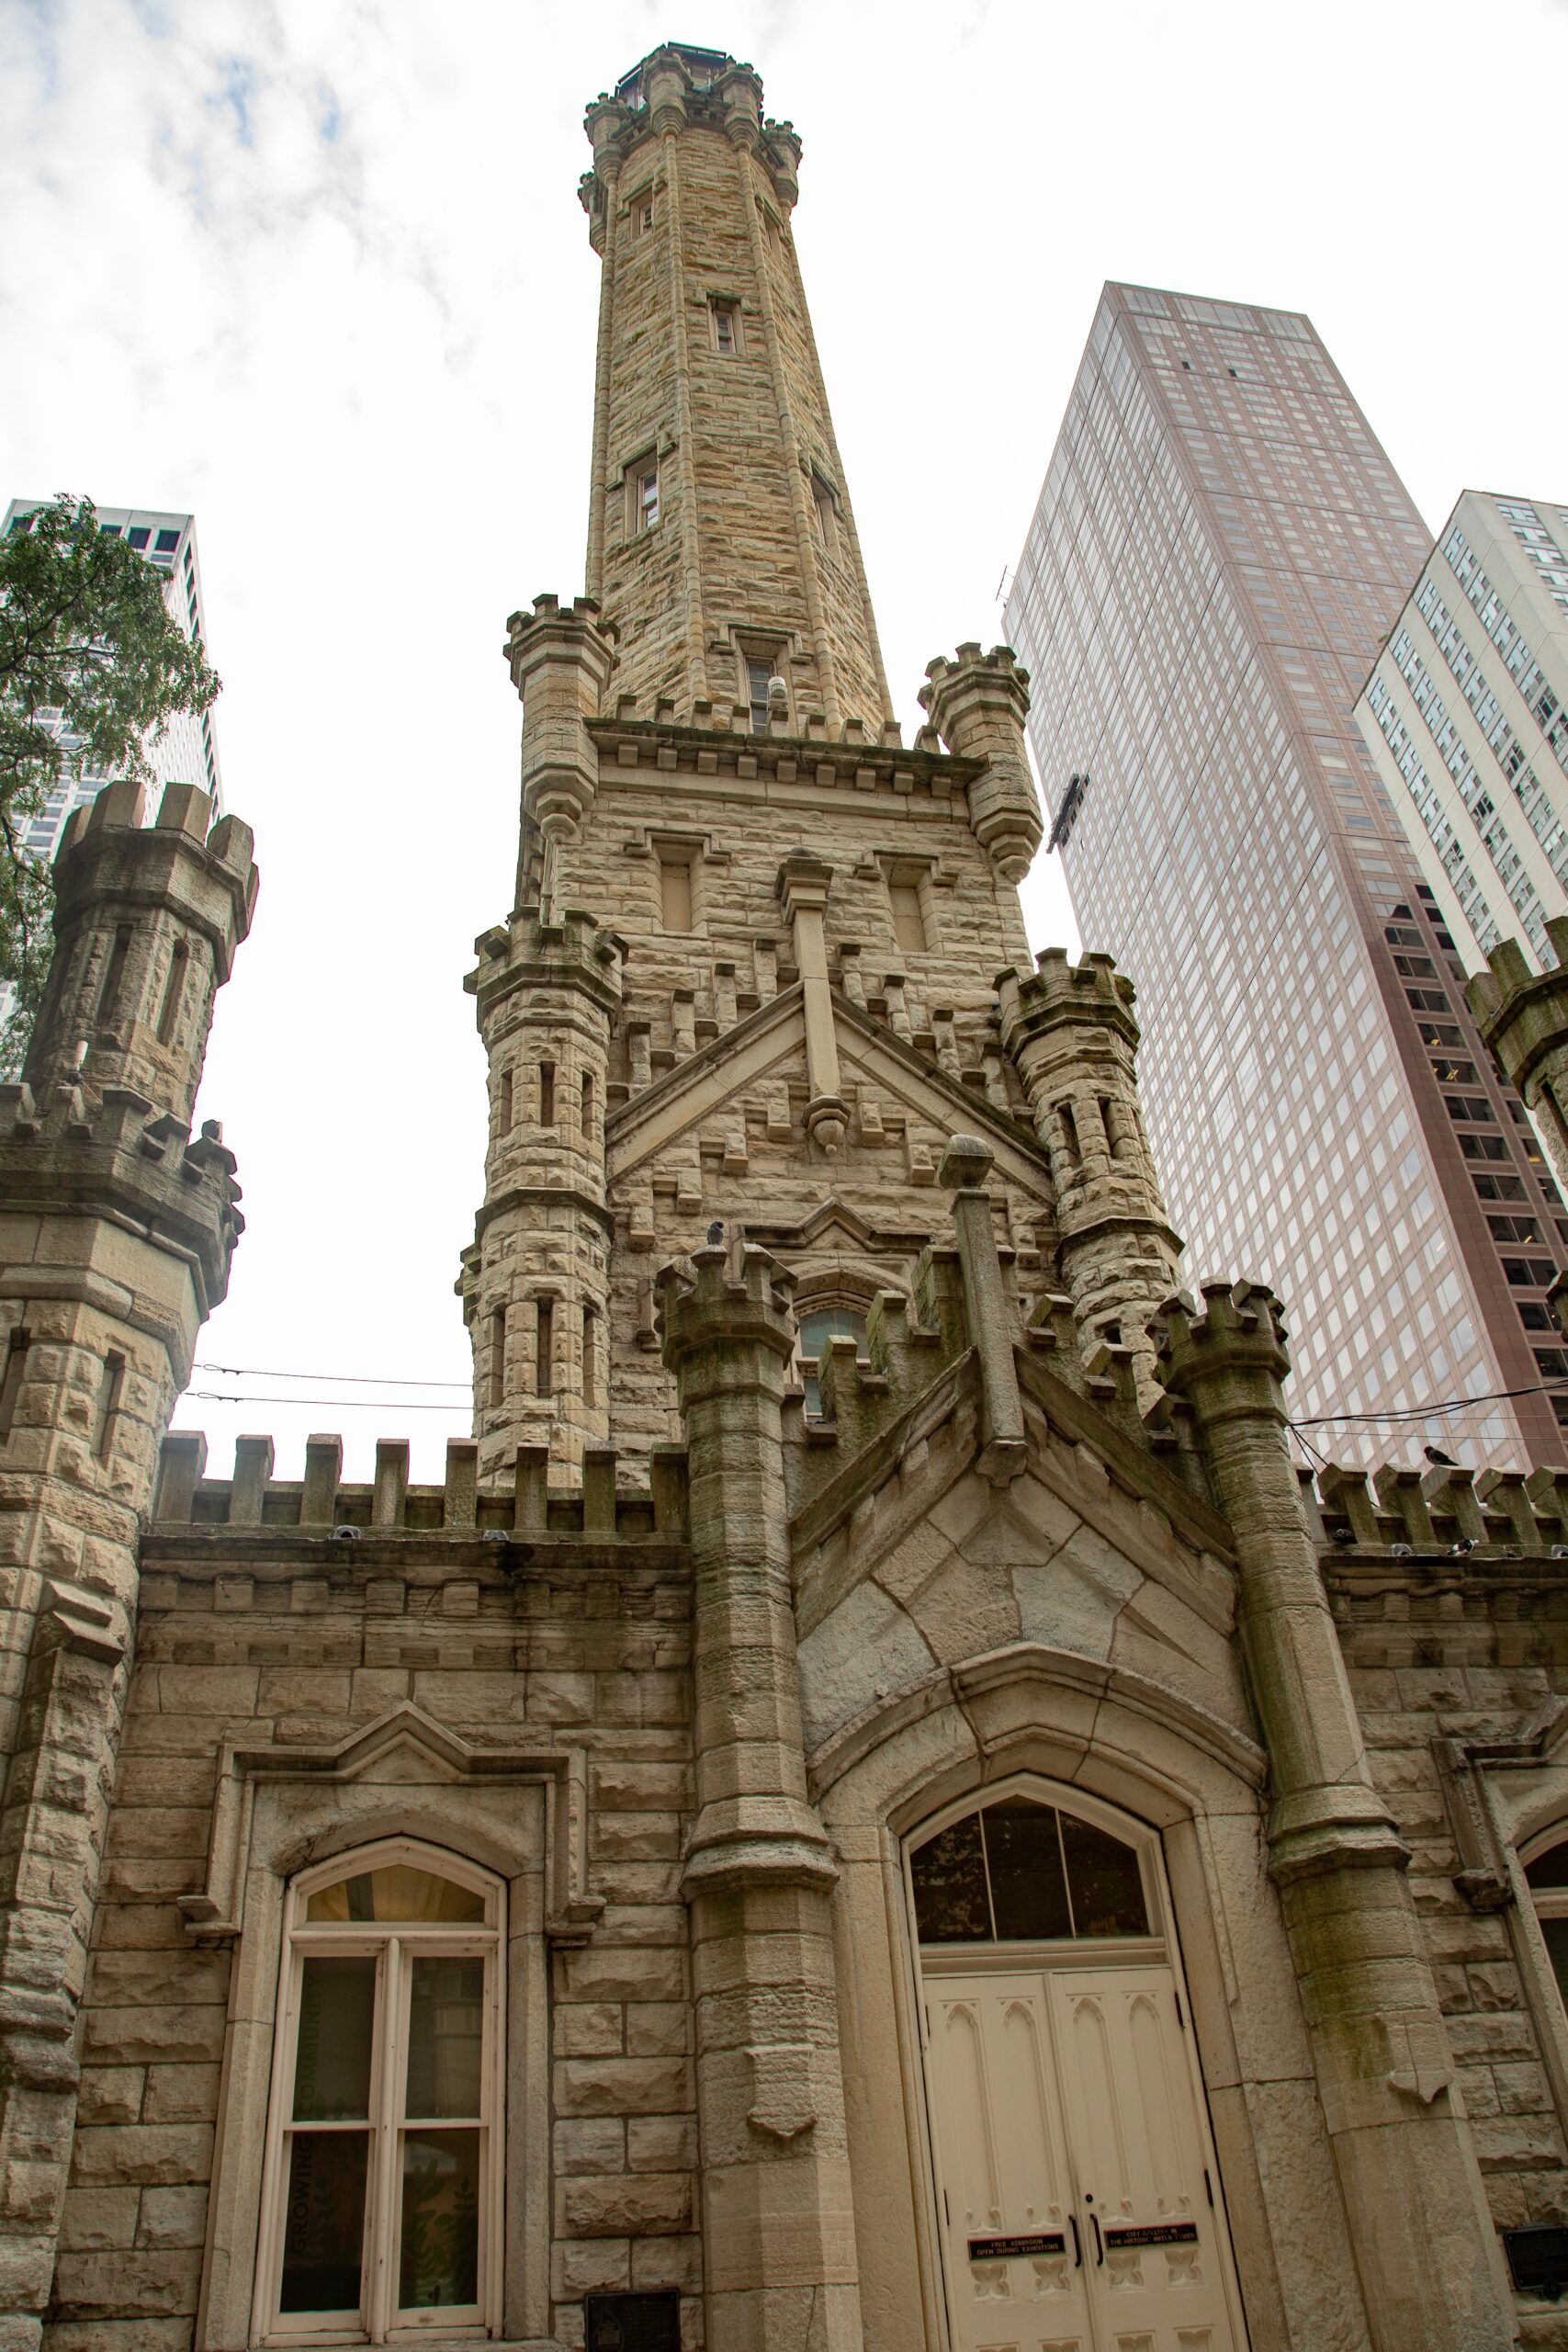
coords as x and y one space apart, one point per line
720 534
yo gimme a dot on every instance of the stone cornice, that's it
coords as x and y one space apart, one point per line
631 743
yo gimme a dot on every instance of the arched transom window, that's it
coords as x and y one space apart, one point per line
382 2190
1017 1870
818 1326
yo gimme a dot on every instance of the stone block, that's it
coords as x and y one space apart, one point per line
658 2029
181 2094
587 2030
150 2284
579 2266
173 2217
150 2036
97 2220
152 2155
597 1973
111 2095
590 2144
623 2086
661 2142
641 2204
668 2262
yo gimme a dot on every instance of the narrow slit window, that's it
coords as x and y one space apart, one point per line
643 478
546 1094
588 1105
504 1102
545 1349
111 1385
675 893
1070 1129
727 329
114 977
174 991
17 1346
827 510
498 1355
591 1356
761 673
908 917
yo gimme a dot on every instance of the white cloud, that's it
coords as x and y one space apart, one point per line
320 274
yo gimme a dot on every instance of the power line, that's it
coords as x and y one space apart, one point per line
338 1404
348 1379
1424 1412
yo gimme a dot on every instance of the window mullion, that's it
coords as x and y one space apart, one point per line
382 2298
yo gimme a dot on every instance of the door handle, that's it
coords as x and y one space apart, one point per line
1098 2242
1078 2243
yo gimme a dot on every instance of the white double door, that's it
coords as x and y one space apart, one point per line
1075 2185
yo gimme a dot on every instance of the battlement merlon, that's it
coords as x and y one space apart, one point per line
1523 1017
526 953
977 704
146 922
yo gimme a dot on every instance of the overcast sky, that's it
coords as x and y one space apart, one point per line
316 270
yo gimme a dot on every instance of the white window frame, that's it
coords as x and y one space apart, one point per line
394 1944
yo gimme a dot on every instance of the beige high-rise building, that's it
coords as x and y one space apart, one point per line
869 1810
1465 715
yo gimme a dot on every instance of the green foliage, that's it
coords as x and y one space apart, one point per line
84 632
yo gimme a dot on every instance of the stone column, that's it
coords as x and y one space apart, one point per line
778 2229
1416 2214
802 887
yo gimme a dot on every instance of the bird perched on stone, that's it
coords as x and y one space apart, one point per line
716 1233
1439 1459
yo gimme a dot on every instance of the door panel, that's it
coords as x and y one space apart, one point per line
1070 2161
1001 2160
1160 2259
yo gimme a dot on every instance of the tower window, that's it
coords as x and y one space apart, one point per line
675 893
545 1349
815 1329
907 900
17 1346
726 328
174 989
588 1104
498 1355
113 978
826 508
762 668
644 480
504 1105
642 214
546 1094
590 1356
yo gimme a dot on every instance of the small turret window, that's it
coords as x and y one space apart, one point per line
642 482
727 329
815 1331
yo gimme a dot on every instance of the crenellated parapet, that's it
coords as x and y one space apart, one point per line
1523 1017
1072 1036
676 88
977 704
146 922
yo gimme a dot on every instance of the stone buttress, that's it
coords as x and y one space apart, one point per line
116 1226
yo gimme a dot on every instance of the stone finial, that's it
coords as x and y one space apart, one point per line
1523 1017
977 704
965 1163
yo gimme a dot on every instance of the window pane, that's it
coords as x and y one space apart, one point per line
325 2228
948 1872
441 2220
1549 1869
1556 1934
1027 1886
399 1892
446 2035
337 2015
1106 1888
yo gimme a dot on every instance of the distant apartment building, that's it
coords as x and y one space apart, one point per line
1466 717
1219 551
187 752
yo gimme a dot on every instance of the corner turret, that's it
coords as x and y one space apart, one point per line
1523 1019
977 704
1072 1035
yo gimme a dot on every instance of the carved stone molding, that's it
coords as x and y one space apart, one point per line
216 1915
1464 1768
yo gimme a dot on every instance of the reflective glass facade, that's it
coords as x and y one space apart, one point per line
1219 548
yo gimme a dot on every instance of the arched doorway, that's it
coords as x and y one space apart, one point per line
1078 2201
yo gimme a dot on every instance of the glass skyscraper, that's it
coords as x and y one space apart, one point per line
1219 551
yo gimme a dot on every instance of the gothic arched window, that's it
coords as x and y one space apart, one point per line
1547 1878
1017 1870
384 2149
815 1328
